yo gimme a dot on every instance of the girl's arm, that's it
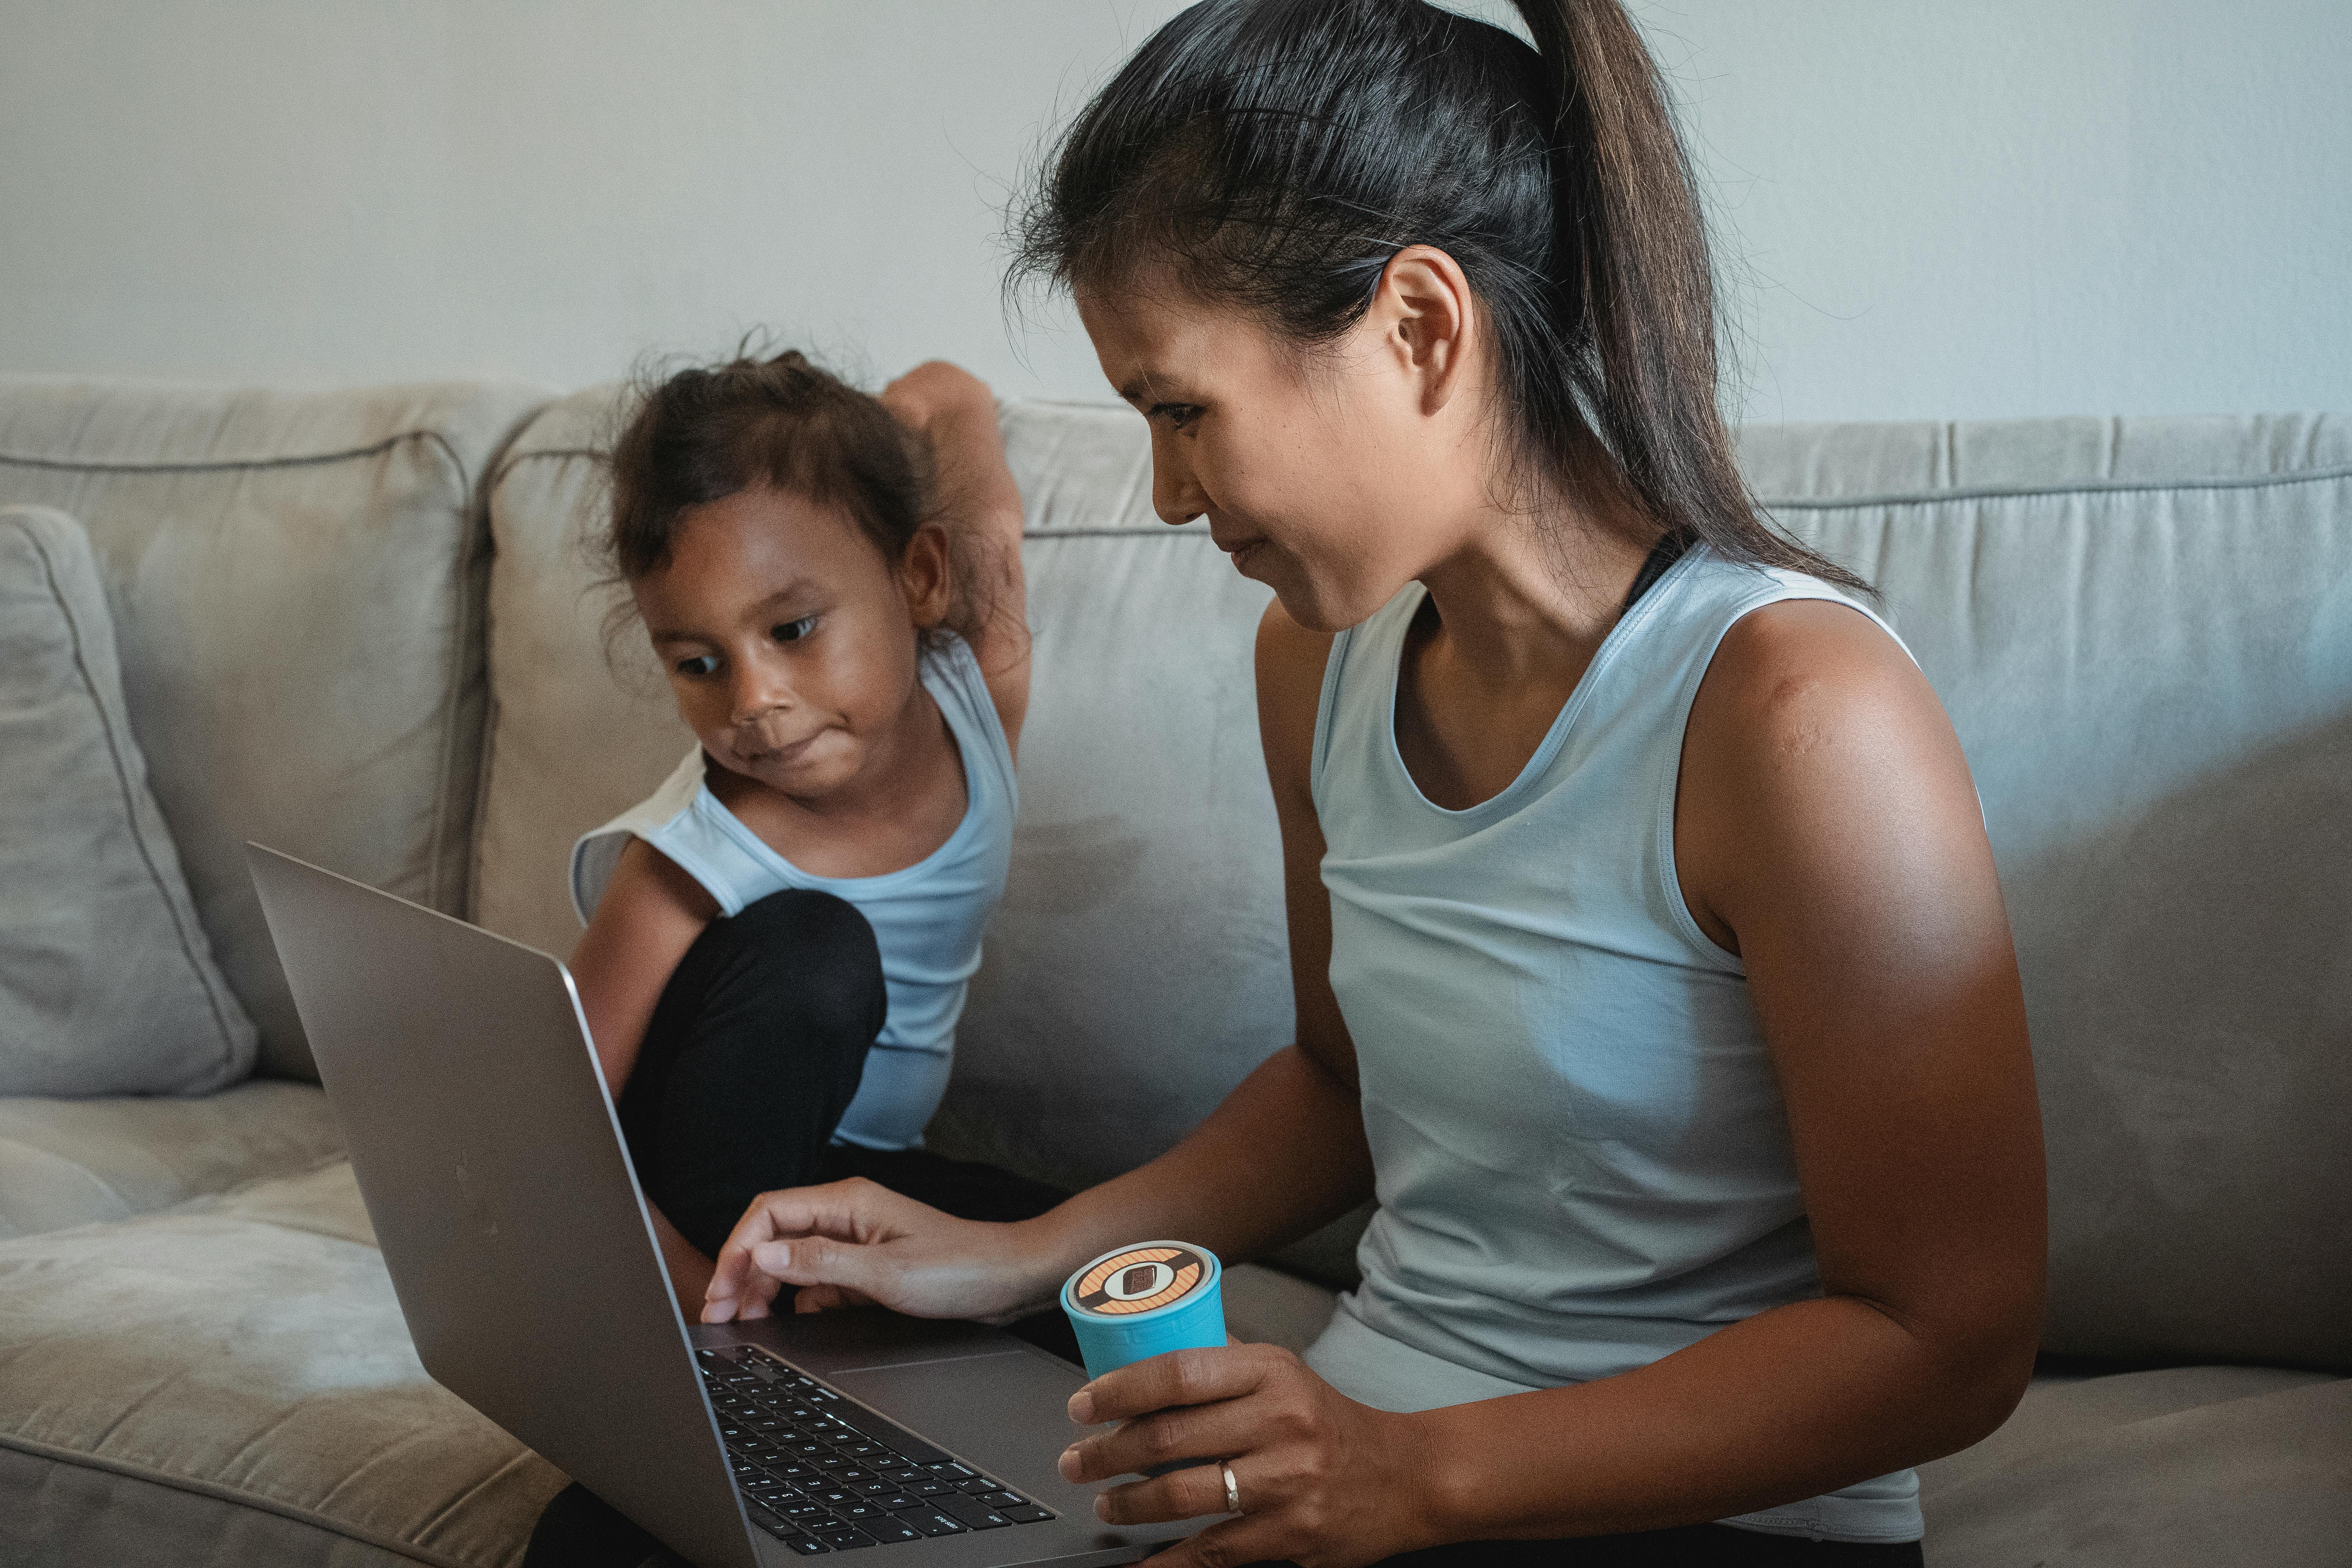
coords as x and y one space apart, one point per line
980 507
650 915
1826 830
1283 1154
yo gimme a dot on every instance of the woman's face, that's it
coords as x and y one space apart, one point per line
789 641
1322 472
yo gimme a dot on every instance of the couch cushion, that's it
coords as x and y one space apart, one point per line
162 1379
2180 1468
2143 632
74 1161
576 737
107 979
296 581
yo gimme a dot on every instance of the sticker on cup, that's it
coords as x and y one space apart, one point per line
1135 1302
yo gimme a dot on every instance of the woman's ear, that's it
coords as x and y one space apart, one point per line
924 576
1426 317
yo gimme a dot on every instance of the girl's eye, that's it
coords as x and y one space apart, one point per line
792 631
1180 414
700 664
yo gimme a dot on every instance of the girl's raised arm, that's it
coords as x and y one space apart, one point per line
980 507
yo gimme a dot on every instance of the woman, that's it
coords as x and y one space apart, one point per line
1651 968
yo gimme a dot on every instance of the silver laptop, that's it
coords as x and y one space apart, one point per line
492 1166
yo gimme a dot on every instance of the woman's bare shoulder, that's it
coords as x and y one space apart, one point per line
1290 660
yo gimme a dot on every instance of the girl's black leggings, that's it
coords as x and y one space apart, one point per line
752 1055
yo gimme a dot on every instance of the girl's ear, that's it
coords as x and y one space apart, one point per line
925 578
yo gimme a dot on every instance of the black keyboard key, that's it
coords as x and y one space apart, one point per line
781 1529
929 1486
976 1486
888 1433
847 1540
888 1530
1001 1499
946 1469
931 1522
802 1508
972 1511
1026 1513
857 1513
834 1497
808 1546
894 1502
792 1469
851 1475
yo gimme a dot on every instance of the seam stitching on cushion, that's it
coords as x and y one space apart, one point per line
1988 493
257 1501
460 623
225 1037
229 465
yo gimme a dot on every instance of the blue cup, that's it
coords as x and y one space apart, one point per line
1136 1302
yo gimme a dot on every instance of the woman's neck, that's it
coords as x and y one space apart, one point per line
1532 591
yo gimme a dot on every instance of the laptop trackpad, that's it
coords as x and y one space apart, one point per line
1008 1412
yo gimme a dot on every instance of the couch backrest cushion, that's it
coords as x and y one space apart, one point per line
582 726
296 582
2143 632
107 982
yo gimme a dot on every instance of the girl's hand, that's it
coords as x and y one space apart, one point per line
850 1243
934 388
1324 1481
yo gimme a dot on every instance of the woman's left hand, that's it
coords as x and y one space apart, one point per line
1323 1482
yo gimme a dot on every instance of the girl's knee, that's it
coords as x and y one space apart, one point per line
806 959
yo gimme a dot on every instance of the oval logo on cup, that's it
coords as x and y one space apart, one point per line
1138 1281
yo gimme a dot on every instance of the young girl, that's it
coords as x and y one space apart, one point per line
1650 964
779 939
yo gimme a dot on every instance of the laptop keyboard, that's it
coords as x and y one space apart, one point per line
822 1473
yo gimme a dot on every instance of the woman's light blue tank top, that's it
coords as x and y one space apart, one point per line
926 918
1582 1159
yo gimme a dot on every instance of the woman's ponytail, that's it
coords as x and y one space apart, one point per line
1275 154
1635 285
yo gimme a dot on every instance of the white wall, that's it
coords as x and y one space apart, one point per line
1929 209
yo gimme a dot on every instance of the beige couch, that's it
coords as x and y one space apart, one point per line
360 627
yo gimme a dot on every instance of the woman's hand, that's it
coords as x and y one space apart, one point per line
1323 1482
850 1243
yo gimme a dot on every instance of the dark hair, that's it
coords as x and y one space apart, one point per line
704 434
1275 155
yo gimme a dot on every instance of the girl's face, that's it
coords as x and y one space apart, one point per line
790 642
1323 473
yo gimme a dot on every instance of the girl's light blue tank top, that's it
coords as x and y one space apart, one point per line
926 918
1582 1160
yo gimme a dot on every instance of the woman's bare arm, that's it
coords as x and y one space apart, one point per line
1826 828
